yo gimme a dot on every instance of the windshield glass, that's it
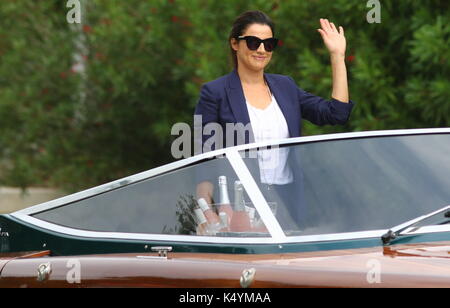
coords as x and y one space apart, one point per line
355 184
204 199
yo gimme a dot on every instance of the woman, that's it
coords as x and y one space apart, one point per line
224 100
270 105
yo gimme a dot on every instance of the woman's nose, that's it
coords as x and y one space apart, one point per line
261 48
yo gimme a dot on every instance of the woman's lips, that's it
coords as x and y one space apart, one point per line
259 58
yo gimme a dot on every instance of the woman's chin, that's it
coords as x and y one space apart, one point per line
254 65
257 66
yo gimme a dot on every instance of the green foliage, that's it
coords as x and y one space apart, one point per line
146 61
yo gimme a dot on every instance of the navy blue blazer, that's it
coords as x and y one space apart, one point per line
222 101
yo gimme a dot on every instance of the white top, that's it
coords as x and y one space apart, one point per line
269 124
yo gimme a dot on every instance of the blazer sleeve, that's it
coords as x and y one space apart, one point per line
321 111
208 108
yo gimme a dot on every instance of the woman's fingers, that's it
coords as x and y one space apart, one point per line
322 33
325 25
333 27
328 26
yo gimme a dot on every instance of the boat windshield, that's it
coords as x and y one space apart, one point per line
313 188
353 185
204 199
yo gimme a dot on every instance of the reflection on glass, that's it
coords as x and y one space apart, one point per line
186 223
360 184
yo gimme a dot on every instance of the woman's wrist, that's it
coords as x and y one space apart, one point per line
337 56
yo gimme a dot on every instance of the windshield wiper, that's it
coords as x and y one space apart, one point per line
394 232
446 220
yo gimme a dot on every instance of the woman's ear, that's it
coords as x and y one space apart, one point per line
234 44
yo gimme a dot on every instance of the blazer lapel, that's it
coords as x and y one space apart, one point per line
237 99
286 108
239 108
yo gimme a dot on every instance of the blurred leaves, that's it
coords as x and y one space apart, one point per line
145 61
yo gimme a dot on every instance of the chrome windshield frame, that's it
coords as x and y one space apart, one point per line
232 154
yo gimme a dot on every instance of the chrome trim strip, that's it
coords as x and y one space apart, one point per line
426 230
196 239
336 236
342 136
140 236
256 196
414 221
182 163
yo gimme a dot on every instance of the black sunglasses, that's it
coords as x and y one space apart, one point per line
254 42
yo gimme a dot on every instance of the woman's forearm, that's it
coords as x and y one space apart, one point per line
340 83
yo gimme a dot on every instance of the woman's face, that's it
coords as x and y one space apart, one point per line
253 60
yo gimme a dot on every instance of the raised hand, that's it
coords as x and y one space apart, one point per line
334 40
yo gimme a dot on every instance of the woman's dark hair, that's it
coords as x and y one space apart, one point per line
243 22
